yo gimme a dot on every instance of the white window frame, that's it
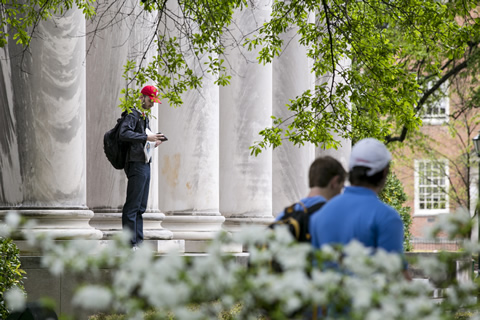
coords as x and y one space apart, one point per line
418 175
443 103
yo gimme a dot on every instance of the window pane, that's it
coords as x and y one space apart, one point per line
432 190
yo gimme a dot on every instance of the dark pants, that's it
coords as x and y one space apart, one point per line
138 174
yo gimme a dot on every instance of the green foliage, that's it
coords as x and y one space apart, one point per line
11 275
380 61
172 69
20 17
394 195
392 46
463 315
150 315
154 315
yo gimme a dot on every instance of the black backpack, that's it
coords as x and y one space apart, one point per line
297 221
115 150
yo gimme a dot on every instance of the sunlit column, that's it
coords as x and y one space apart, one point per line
291 77
245 109
49 126
189 160
342 153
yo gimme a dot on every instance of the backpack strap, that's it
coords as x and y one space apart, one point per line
315 207
305 209
309 210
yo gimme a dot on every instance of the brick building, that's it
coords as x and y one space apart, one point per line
438 166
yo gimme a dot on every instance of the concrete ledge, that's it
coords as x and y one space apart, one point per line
158 246
165 246
40 283
199 246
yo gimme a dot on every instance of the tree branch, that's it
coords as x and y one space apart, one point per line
453 72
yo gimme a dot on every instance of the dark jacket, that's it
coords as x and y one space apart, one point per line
132 130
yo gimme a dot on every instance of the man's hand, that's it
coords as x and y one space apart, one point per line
154 137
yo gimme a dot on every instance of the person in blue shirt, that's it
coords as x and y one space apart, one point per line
326 178
358 213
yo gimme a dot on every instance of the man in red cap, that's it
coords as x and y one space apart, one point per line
137 167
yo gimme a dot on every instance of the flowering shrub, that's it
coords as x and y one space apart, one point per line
360 284
11 275
394 195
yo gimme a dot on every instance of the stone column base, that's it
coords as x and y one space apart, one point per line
110 223
165 246
201 246
236 222
197 229
58 223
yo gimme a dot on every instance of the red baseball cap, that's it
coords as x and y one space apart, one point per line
152 92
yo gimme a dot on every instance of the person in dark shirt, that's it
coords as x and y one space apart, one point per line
137 168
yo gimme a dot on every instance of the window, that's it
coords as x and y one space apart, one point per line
436 108
431 186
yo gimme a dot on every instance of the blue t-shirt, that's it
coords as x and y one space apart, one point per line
358 214
308 202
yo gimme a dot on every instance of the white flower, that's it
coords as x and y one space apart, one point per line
361 292
435 269
290 286
13 219
93 297
292 257
328 280
389 262
4 230
15 299
471 246
292 304
356 257
260 255
185 313
390 306
251 235
419 305
451 223
329 252
54 264
375 314
11 223
283 236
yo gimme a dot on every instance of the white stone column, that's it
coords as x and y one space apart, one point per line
10 174
342 154
291 77
245 109
189 160
49 99
188 168
112 39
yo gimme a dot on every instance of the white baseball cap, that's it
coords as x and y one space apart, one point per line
370 153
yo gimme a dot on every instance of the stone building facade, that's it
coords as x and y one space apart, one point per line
60 96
